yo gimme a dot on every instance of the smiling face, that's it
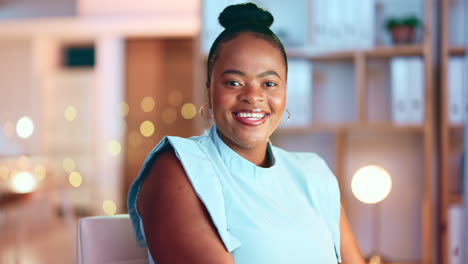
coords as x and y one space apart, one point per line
248 91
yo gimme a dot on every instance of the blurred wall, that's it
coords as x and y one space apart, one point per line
17 9
19 96
136 7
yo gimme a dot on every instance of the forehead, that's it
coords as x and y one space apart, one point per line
248 51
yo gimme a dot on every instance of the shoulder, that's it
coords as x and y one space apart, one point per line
168 165
166 176
173 216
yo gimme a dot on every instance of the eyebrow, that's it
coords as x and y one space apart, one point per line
261 75
264 74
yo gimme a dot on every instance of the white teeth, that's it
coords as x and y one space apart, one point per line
251 115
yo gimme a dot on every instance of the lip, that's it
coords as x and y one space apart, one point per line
250 120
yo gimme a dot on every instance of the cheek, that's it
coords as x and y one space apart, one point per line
278 101
221 100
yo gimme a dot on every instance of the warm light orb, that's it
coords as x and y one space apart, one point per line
13 174
147 128
147 104
68 165
109 207
24 127
75 179
40 172
114 148
23 182
188 111
4 171
124 109
70 113
371 184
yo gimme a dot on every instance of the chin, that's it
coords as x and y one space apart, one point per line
250 139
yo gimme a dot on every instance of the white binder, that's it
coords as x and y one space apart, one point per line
416 90
399 90
455 234
455 90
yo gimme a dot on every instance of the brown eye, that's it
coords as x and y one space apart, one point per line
232 83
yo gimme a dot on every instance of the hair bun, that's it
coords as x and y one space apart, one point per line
245 14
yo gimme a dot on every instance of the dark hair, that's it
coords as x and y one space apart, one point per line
247 17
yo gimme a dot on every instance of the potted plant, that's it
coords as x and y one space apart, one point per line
402 29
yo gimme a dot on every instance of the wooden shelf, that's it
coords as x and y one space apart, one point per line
400 262
325 56
377 52
457 51
394 51
456 128
456 199
316 128
388 126
331 128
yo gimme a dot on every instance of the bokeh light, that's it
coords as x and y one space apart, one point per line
70 113
24 127
114 147
169 115
147 104
371 184
188 111
23 182
9 129
68 165
109 207
4 171
175 98
75 179
13 174
124 109
40 172
147 128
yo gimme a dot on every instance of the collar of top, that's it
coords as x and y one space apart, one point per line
236 162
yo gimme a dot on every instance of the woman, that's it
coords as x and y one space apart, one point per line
229 196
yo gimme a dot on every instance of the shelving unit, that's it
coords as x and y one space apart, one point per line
377 52
337 139
450 135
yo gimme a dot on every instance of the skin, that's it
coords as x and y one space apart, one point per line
239 82
248 74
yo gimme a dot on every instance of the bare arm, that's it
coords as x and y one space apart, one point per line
177 226
350 252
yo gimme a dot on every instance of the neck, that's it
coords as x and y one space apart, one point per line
257 155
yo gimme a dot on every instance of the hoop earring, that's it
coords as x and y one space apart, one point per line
287 119
200 111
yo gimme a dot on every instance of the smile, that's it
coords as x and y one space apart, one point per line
250 118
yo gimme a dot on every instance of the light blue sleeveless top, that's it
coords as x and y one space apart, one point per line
288 213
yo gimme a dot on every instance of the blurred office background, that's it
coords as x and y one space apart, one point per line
87 88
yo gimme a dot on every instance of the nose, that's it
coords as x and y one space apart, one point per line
252 94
